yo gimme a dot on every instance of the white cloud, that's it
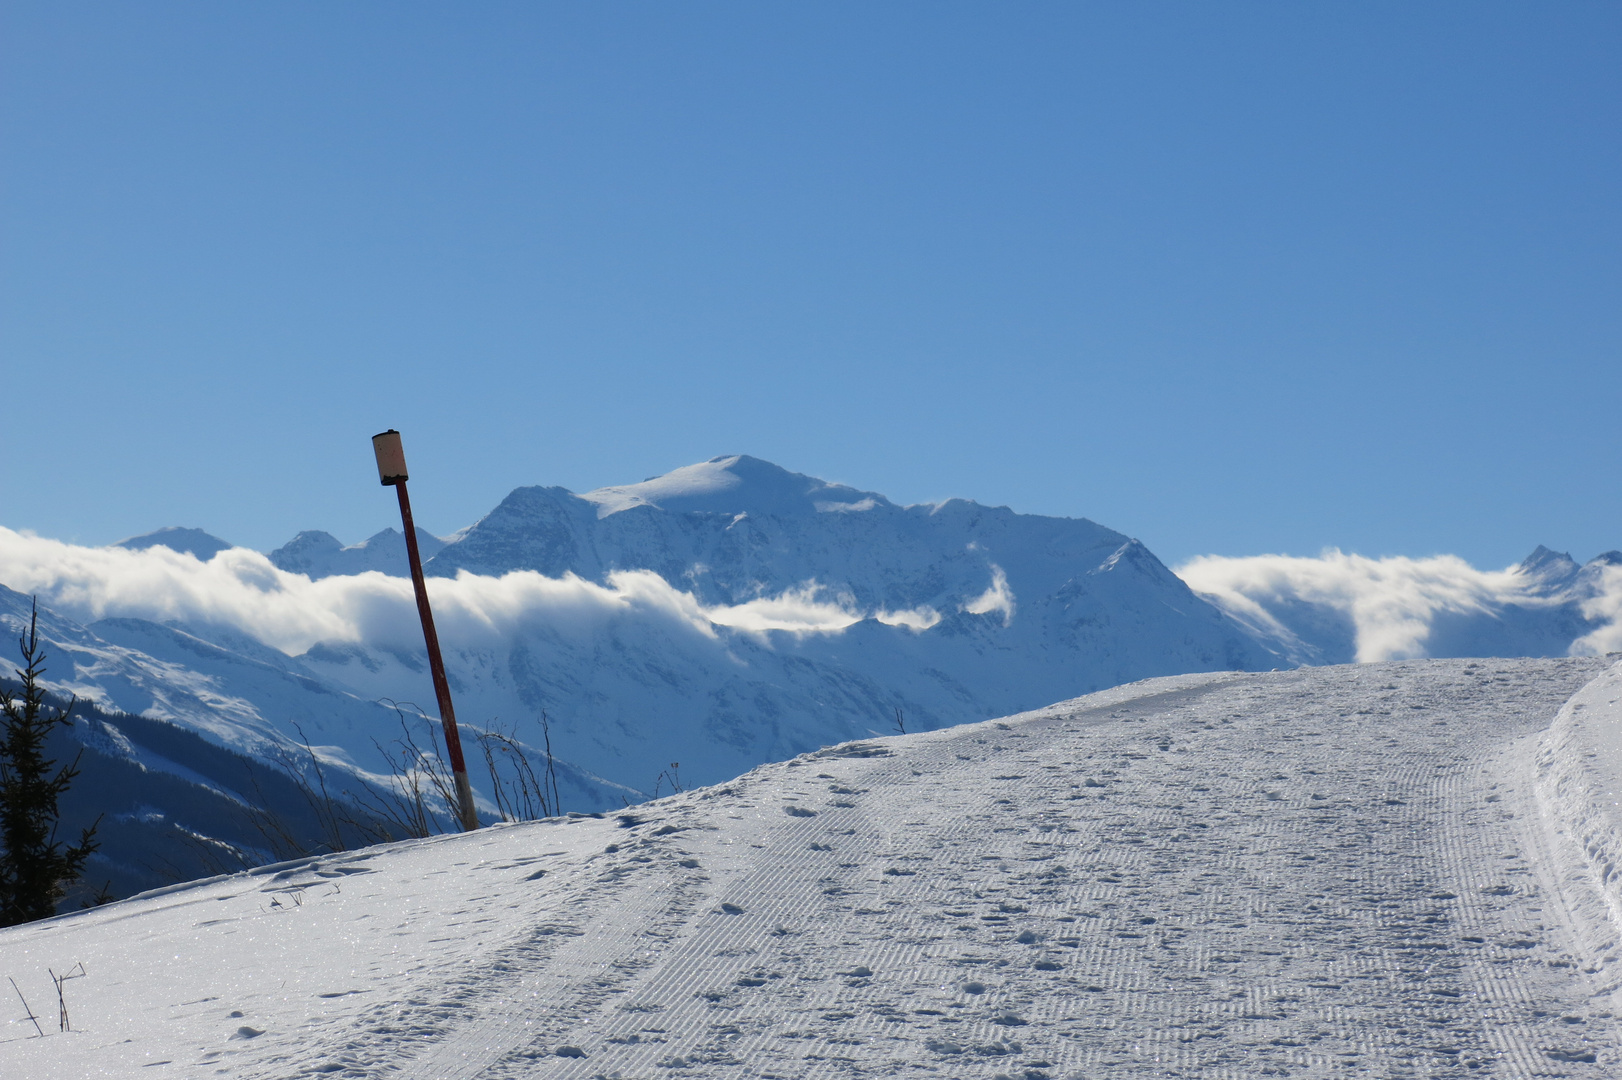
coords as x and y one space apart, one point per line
1390 601
845 507
242 590
1607 606
916 619
799 610
998 598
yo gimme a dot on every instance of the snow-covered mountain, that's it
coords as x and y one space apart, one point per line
828 610
195 542
241 695
317 554
731 613
726 614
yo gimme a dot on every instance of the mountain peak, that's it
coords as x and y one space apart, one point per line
1549 565
194 542
319 554
733 484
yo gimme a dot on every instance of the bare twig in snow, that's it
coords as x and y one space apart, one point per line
26 1007
76 972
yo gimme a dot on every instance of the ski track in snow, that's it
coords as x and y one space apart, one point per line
1323 872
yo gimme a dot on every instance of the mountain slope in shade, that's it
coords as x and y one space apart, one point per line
247 698
169 805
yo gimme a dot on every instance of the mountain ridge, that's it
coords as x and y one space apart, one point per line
733 612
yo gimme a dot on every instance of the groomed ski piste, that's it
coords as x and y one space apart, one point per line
1393 870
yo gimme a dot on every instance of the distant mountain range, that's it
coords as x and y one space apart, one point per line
319 554
725 614
947 613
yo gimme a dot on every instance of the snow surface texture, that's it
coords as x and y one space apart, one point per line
1580 779
1335 871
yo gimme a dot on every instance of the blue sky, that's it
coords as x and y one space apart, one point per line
1231 278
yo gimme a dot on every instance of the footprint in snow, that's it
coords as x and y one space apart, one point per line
859 972
799 811
1580 1055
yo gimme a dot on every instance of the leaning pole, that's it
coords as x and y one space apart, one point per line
391 469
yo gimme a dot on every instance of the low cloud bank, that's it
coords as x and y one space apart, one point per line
1607 607
1392 603
240 589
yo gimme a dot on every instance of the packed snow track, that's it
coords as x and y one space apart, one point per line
1342 871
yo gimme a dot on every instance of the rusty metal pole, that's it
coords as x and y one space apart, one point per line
391 470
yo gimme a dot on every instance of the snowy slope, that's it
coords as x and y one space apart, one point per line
1336 871
1580 781
244 696
168 806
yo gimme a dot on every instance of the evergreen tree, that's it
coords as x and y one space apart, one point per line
35 870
